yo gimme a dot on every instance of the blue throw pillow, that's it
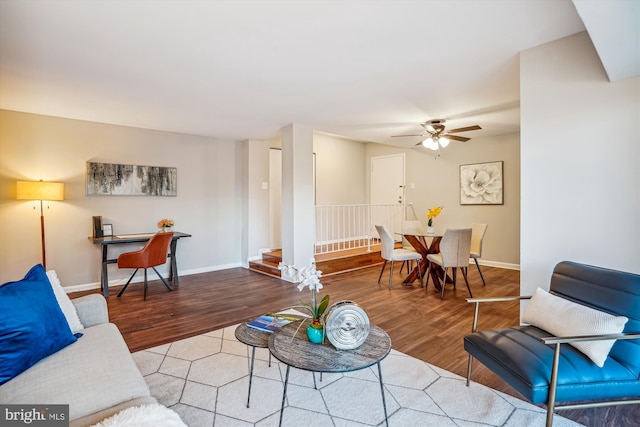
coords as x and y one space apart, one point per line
32 325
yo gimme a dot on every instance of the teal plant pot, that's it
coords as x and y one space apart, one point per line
315 335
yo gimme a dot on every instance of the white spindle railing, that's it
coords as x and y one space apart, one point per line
342 227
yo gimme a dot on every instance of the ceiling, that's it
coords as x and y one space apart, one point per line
244 69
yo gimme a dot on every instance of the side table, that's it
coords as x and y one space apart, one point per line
253 338
290 346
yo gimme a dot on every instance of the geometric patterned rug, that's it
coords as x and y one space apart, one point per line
205 380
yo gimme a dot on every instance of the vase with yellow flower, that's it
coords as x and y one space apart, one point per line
309 276
431 214
165 224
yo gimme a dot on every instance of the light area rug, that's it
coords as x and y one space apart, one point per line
205 380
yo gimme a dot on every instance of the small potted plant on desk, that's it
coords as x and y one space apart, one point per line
165 224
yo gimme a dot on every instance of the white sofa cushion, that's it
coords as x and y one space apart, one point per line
561 317
67 307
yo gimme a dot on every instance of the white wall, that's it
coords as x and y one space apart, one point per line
340 170
255 199
436 183
33 147
580 137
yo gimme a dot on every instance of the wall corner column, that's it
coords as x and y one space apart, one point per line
298 210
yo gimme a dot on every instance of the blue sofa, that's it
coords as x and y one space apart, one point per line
545 369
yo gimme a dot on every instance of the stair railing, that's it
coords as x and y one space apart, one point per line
343 227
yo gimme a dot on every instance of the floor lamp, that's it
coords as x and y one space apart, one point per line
40 190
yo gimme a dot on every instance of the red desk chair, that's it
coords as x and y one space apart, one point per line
153 254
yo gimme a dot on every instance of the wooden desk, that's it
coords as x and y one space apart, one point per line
420 244
121 239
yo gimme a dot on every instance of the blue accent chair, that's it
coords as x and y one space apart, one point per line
543 370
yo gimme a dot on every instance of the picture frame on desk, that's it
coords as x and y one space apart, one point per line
107 230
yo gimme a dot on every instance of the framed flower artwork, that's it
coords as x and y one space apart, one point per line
481 184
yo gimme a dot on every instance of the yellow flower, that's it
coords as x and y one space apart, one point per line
432 213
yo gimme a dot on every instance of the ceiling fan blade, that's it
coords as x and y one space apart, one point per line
468 128
395 136
456 137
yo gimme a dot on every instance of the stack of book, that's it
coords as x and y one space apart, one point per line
270 322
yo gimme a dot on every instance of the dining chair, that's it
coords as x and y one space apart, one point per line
410 227
477 234
390 253
153 254
455 249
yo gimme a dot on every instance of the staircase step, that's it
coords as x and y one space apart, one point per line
272 258
349 263
329 263
264 268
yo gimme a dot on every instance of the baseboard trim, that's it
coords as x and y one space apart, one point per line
497 264
140 277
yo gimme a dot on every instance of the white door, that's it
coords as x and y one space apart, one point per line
387 188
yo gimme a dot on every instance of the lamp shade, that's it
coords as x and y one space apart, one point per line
430 143
39 190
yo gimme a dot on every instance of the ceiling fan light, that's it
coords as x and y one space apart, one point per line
432 144
443 142
426 142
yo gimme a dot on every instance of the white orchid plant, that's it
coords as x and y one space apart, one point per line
308 276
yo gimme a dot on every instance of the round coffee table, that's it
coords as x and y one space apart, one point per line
291 346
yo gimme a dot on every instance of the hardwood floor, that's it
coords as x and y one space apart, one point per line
419 322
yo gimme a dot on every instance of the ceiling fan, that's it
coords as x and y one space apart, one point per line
437 137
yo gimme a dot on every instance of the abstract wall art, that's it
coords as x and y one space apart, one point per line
110 179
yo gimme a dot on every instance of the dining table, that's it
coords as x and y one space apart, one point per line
425 244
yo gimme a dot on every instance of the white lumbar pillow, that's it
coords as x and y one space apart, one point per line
67 307
562 318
